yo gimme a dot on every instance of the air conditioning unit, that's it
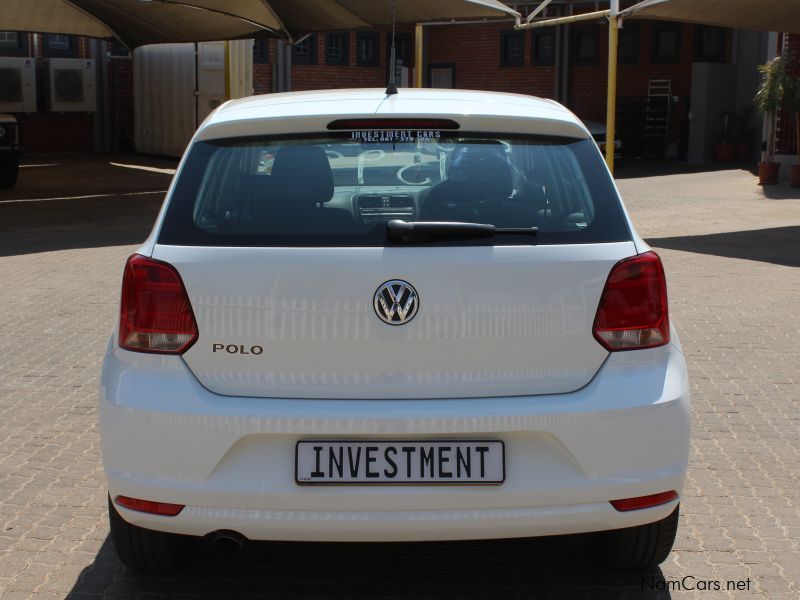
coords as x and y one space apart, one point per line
17 85
72 85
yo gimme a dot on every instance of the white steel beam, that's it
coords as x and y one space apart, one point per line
592 16
538 10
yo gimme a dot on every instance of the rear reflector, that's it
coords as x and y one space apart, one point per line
149 506
350 124
644 501
632 313
155 313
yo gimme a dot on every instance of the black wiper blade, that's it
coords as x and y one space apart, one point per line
420 231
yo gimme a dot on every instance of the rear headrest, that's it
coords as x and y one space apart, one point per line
483 166
303 173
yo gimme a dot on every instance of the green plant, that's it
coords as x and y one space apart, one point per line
769 97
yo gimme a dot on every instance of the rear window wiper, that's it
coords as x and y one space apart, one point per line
408 232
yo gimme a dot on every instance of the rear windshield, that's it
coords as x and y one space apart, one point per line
341 188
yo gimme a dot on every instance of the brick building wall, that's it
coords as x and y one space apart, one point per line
474 50
323 76
120 105
588 84
47 131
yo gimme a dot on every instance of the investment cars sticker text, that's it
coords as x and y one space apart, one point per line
395 135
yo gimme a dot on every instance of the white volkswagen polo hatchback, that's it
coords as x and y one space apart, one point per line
424 316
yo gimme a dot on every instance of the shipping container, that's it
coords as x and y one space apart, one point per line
176 86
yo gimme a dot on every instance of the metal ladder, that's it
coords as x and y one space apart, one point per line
657 117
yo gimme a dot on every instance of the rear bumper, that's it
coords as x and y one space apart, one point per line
230 460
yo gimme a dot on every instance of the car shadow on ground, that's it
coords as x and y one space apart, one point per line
779 245
30 226
557 567
632 168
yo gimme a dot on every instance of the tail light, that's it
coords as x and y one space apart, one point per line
626 504
155 313
348 124
633 314
149 506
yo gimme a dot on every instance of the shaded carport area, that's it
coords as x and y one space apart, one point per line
63 202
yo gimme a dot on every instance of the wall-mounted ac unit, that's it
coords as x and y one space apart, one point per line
17 85
72 85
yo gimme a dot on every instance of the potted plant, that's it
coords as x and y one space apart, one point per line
725 151
768 99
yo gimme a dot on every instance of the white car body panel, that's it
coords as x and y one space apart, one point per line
562 467
301 112
506 320
218 434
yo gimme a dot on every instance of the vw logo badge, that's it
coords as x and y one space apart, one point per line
396 302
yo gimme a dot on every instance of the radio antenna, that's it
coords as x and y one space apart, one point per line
391 88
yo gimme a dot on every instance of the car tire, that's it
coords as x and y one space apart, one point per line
639 548
9 171
146 550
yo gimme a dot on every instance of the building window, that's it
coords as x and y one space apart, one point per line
337 48
666 42
260 50
13 43
402 49
544 47
585 44
629 44
57 45
367 49
58 42
9 39
512 48
709 44
305 51
117 50
442 76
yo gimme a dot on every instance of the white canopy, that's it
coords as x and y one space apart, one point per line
139 22
766 15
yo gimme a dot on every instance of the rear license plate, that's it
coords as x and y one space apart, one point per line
462 462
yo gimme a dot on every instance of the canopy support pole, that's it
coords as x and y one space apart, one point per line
611 104
227 70
419 45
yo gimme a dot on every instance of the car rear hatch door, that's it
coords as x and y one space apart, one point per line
301 322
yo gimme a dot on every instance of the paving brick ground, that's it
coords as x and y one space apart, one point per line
733 259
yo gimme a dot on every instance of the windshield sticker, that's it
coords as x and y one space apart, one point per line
395 135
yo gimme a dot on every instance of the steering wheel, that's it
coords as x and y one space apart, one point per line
406 181
333 154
